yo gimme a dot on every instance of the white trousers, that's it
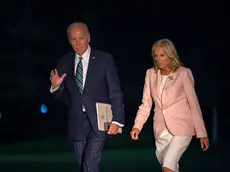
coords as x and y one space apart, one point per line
169 149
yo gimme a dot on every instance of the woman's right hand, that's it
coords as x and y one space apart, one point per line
55 79
134 133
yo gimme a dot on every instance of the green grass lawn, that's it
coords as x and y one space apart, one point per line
120 154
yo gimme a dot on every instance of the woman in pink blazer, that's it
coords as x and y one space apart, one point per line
177 114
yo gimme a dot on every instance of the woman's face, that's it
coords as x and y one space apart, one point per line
163 61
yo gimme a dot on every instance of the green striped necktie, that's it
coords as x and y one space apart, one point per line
79 75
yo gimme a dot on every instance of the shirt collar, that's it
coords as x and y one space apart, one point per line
86 53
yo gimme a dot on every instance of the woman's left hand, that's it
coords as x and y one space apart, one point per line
204 142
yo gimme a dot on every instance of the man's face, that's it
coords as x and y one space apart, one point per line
79 39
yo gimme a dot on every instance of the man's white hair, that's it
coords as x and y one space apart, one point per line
75 25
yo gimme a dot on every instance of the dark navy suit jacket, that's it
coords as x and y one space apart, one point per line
102 85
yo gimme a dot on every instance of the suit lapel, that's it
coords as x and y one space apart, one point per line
171 78
73 60
72 79
158 84
73 65
89 70
168 81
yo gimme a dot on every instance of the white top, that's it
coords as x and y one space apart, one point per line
163 80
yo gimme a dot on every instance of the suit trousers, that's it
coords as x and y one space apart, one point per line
88 151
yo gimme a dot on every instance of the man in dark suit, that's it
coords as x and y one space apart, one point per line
82 78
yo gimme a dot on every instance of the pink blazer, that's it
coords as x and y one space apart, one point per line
177 108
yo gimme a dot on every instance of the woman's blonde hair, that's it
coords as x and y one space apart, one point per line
170 50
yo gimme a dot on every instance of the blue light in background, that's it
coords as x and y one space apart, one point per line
43 108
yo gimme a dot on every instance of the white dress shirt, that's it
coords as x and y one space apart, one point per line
85 63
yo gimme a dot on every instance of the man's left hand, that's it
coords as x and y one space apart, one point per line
113 129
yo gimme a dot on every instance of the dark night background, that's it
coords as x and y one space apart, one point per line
33 37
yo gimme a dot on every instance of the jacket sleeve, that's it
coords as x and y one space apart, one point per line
115 92
188 83
59 94
146 106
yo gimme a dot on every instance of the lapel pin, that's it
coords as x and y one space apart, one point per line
171 77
